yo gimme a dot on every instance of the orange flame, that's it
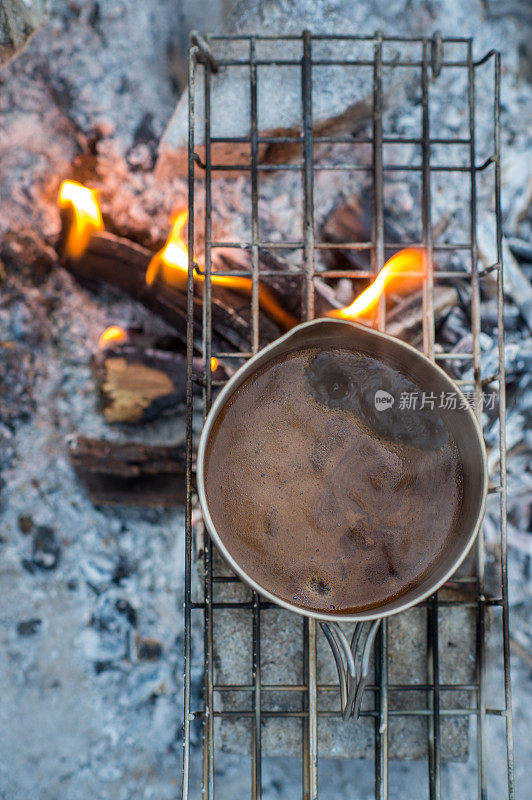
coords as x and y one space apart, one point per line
214 364
403 272
114 333
171 264
87 216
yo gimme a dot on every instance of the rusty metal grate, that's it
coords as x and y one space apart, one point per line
431 61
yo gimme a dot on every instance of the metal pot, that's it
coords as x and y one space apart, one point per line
462 424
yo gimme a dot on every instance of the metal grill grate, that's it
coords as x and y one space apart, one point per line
429 64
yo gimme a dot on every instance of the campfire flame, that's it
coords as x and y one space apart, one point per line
86 216
171 265
403 272
114 333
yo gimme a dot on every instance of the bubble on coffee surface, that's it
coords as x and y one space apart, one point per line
322 503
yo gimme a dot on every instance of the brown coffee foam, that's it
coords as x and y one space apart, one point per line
317 506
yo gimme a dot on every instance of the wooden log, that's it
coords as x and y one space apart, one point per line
138 382
286 285
121 263
351 222
405 320
130 474
143 377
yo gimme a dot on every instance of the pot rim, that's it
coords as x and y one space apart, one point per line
232 383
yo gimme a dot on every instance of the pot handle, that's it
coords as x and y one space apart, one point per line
347 654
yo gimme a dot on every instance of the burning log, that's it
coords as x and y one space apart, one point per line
160 281
401 274
351 222
130 474
121 263
285 285
140 377
405 320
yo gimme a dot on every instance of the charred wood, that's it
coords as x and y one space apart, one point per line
405 320
143 377
130 474
352 222
138 382
120 263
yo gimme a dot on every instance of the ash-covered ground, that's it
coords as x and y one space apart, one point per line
91 621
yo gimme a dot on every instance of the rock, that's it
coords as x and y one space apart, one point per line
25 524
103 646
19 20
148 649
123 569
98 571
105 666
341 97
113 615
107 640
46 550
146 682
7 449
125 608
29 626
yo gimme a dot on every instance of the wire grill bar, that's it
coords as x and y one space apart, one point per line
202 62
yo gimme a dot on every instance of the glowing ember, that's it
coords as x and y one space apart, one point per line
401 273
86 217
171 264
112 334
214 364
